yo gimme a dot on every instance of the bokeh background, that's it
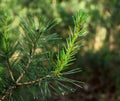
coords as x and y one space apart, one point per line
99 57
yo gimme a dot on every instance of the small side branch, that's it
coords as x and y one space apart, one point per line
27 66
10 71
7 93
34 81
22 74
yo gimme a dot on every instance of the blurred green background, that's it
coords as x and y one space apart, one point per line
99 57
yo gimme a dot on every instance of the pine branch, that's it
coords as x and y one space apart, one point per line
28 64
10 71
31 65
34 81
7 93
67 55
32 35
5 43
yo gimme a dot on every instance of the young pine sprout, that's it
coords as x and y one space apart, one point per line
67 55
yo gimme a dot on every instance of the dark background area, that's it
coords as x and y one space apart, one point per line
99 57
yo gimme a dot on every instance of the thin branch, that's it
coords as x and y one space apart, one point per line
27 66
10 71
7 92
7 48
34 81
11 88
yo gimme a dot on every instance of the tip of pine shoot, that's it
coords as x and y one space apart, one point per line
67 54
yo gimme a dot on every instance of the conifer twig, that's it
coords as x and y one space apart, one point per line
34 81
28 64
10 71
34 64
7 92
7 47
67 54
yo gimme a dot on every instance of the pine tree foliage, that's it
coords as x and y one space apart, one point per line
27 67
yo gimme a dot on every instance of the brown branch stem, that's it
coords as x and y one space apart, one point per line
7 92
10 71
34 81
